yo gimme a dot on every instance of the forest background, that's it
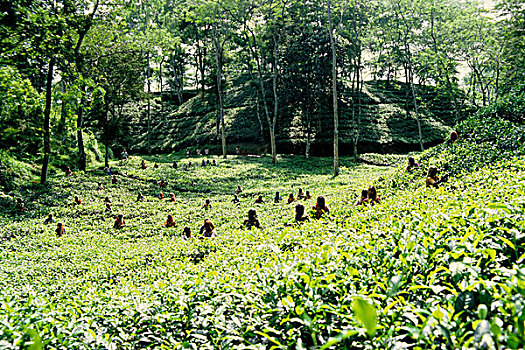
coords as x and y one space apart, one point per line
80 81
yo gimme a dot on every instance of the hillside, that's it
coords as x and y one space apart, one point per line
382 122
427 268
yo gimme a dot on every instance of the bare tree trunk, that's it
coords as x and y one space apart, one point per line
80 135
47 114
275 99
255 55
334 91
308 133
218 60
63 110
160 77
148 82
258 113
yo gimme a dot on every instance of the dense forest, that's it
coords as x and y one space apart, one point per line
83 80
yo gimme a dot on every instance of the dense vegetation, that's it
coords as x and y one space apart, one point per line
426 268
84 77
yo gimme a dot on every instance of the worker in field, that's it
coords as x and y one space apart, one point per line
411 164
186 233
299 213
291 198
252 220
60 231
235 199
78 201
300 194
208 229
453 137
119 222
170 222
320 207
49 219
363 198
207 205
372 196
277 197
259 200
432 178
143 164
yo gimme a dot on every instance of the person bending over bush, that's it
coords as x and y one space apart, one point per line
411 164
119 222
60 230
277 198
252 220
364 196
78 201
259 200
299 213
235 199
432 179
208 229
320 208
170 222
49 219
300 194
207 205
372 196
291 199
186 232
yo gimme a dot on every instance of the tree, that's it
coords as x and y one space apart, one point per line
334 89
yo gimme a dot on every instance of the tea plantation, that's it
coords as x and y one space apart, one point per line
425 269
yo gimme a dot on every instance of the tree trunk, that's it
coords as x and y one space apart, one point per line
258 113
80 135
275 100
261 87
63 110
334 91
106 155
148 82
47 114
308 133
218 61
416 108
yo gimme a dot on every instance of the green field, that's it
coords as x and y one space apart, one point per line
427 268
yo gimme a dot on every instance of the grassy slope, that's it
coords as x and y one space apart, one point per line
383 124
425 259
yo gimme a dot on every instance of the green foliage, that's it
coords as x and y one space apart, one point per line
20 106
14 173
425 267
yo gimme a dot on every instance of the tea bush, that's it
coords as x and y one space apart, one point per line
426 268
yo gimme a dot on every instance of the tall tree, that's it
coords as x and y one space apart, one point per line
334 88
